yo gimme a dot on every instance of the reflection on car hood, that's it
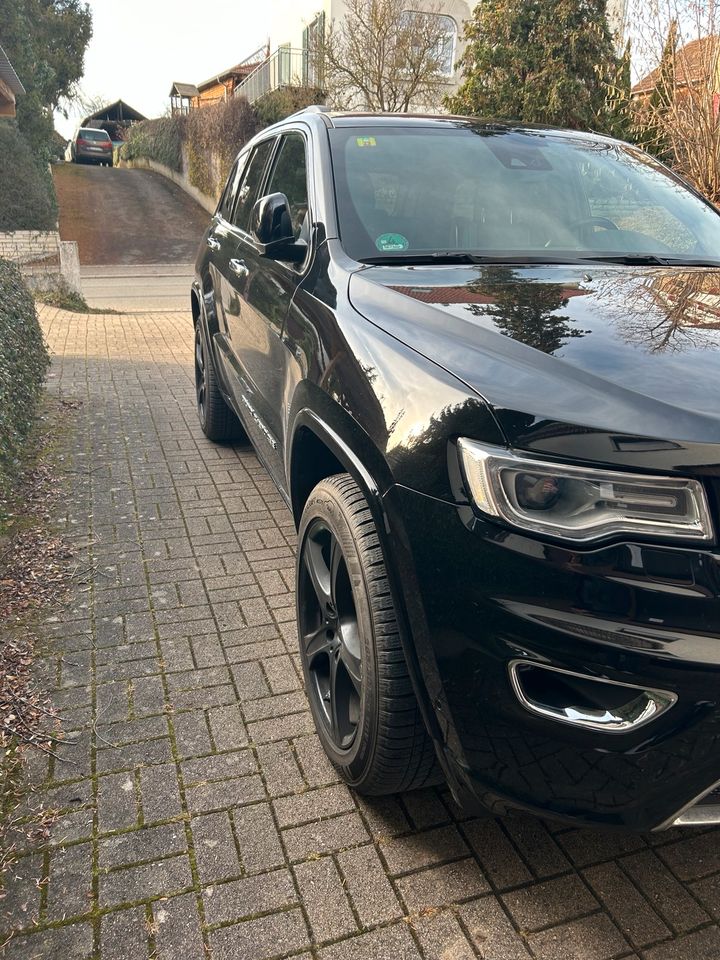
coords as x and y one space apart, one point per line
612 348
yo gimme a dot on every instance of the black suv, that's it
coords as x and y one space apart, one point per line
480 363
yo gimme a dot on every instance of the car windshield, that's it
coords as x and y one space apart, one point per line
482 193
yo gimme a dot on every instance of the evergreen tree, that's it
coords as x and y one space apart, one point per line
544 61
619 106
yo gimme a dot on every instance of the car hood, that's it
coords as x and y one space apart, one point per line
615 349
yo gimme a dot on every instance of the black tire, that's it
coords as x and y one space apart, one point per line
217 420
369 722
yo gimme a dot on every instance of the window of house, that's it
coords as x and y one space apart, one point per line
445 49
313 36
249 191
289 176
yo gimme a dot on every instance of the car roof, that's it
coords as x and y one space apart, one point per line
94 130
341 119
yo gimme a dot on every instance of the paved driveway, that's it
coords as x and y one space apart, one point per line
138 235
199 816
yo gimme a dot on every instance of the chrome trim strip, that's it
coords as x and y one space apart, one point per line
699 816
647 706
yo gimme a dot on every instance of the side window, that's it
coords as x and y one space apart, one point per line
289 176
249 190
228 196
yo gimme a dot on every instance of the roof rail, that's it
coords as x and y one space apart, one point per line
313 108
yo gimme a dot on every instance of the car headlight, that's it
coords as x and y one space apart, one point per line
582 503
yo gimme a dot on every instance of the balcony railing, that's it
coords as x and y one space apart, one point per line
287 67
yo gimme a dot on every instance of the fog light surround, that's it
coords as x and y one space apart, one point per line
582 504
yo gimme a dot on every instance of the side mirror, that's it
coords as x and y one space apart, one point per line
272 229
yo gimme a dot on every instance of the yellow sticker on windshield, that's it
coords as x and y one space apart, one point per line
366 141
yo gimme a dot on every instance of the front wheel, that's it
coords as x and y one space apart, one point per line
356 676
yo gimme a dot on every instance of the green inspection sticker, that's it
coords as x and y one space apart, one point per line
392 241
366 141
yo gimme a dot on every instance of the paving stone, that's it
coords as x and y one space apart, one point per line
492 933
220 766
192 737
592 938
70 827
214 844
324 898
370 890
110 759
23 889
223 794
239 899
315 765
313 805
160 792
585 847
500 861
702 945
423 849
441 938
160 878
74 940
280 769
627 906
324 836
441 886
260 939
124 935
228 729
117 808
178 929
70 882
550 902
425 809
148 843
693 857
395 942
537 846
671 900
258 838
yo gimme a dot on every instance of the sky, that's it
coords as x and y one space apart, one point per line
139 47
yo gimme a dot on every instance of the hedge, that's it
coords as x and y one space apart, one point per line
203 144
23 364
27 194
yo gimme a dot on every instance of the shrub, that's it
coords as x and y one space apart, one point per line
213 137
283 103
159 140
23 365
27 197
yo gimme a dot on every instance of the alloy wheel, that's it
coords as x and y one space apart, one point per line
330 635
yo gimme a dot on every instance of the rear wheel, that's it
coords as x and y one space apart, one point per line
217 420
356 676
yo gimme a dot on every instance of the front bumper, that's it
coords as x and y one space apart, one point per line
479 597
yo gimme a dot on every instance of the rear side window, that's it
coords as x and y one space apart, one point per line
249 191
289 176
228 197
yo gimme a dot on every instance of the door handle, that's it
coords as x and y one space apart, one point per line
239 268
213 243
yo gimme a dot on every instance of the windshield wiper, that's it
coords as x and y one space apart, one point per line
652 260
440 257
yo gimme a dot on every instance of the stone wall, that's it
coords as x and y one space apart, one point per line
44 259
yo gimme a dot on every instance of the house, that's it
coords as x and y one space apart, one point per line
185 97
295 25
695 67
10 86
116 118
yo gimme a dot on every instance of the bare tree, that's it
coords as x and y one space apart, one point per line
676 102
380 56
